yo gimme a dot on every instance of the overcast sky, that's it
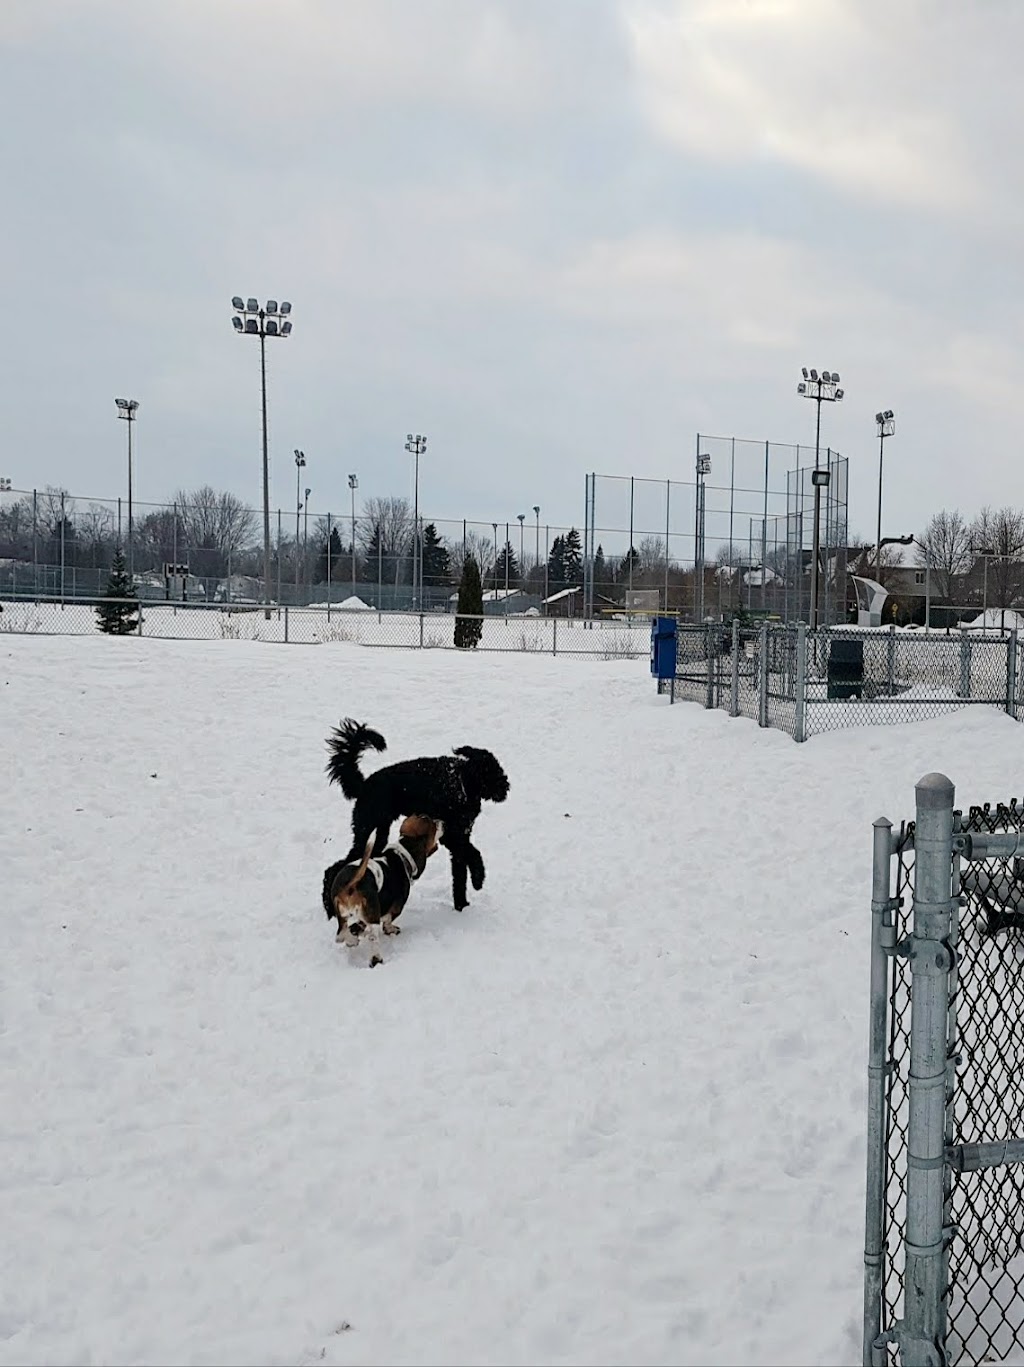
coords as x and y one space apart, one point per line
551 235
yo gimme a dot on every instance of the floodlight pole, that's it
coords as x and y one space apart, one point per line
127 409
823 388
253 320
703 468
816 535
300 461
536 544
416 445
353 485
522 563
266 471
886 427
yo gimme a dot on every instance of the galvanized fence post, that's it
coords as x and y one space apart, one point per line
923 1331
881 934
734 701
286 624
421 637
712 666
762 675
554 635
1011 675
965 664
891 659
800 715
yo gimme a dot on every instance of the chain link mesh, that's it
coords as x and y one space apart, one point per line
854 677
985 1208
897 1095
986 1266
321 626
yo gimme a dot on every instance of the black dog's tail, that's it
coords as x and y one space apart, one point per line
346 743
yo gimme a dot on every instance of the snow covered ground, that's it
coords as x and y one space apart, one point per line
616 639
612 1113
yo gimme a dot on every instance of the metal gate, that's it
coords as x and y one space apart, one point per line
944 1229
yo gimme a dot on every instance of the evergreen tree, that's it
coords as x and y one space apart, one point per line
600 568
572 559
437 565
556 565
373 564
507 561
338 570
632 557
468 630
118 618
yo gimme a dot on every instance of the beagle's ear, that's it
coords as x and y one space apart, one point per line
349 903
414 827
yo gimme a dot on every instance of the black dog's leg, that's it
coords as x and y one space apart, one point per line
461 852
474 858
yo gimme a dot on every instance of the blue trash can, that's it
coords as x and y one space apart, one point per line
663 647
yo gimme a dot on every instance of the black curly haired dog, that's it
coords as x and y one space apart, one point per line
449 788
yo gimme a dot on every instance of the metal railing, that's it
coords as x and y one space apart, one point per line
944 1227
806 683
322 626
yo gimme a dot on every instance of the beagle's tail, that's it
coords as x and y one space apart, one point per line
335 893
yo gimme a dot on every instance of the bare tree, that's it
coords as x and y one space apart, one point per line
998 536
16 528
482 549
945 548
212 527
865 560
97 534
387 520
652 556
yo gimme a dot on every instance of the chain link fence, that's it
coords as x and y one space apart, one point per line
944 1245
321 626
807 683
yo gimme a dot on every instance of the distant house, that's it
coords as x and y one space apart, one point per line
565 603
497 601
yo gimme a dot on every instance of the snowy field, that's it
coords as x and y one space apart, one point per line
620 639
612 1113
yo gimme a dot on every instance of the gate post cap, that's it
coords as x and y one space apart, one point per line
934 790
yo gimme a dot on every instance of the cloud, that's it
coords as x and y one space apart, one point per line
823 87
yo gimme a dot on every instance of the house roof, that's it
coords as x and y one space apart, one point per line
494 595
563 593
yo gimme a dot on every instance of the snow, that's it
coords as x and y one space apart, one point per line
362 625
995 620
613 1112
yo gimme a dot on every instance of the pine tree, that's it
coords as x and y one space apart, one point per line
373 563
437 565
556 565
507 560
120 616
337 569
600 568
632 557
469 629
572 559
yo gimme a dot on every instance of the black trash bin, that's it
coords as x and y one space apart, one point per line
845 669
